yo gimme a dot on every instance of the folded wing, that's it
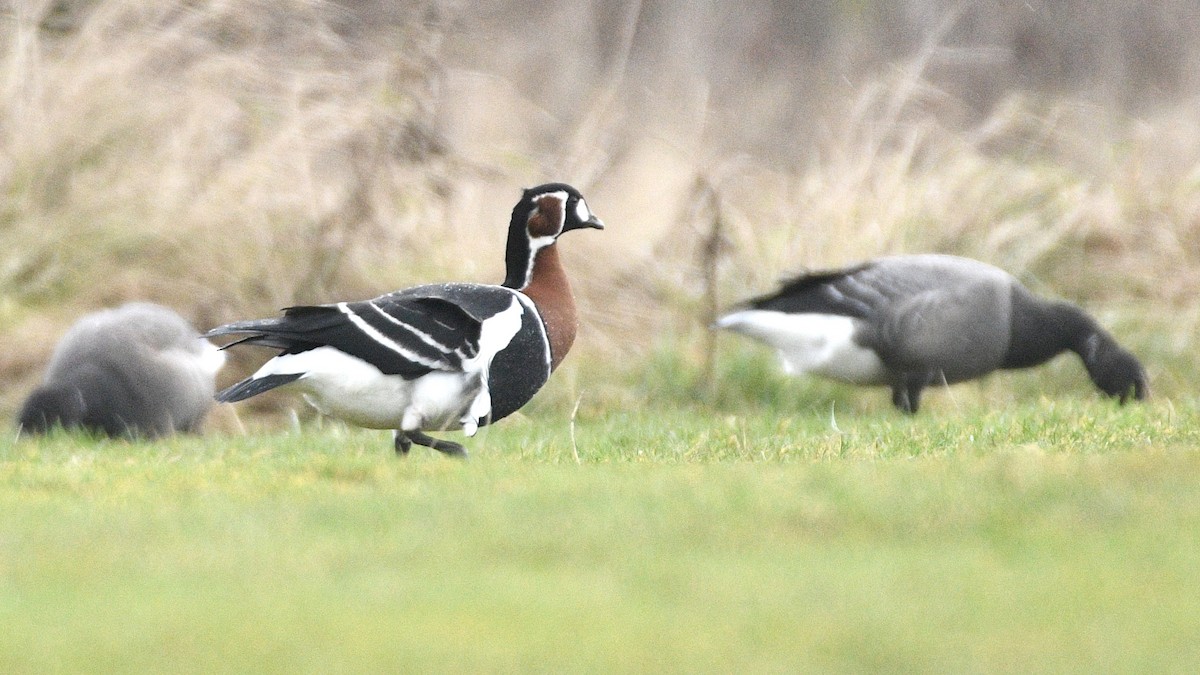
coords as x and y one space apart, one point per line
409 333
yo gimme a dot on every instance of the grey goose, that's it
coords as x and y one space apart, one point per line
437 357
909 321
137 371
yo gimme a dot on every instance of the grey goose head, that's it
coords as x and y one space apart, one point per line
1115 371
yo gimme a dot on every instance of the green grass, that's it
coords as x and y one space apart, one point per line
1050 535
679 522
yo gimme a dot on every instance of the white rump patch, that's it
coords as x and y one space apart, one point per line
211 358
818 344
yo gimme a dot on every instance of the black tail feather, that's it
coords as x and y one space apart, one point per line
294 331
243 327
272 341
253 386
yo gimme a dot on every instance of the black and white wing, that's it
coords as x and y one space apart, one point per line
409 333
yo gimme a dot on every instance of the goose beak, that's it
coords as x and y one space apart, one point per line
592 222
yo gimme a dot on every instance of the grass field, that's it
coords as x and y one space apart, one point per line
1051 535
668 503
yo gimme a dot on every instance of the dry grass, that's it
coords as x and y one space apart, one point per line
230 158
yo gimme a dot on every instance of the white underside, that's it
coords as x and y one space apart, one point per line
816 344
347 387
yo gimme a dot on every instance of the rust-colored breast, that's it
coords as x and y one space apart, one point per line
551 293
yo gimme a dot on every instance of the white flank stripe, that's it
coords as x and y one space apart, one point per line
385 341
420 334
497 332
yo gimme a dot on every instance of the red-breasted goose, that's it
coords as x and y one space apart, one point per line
910 321
434 357
139 370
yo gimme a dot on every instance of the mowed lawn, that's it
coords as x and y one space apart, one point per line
1050 535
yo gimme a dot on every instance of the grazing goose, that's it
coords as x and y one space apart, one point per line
910 321
439 356
137 371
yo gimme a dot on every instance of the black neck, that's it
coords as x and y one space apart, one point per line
1042 329
518 259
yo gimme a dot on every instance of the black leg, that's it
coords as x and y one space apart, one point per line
446 447
906 393
403 443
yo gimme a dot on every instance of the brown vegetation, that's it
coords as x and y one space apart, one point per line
230 158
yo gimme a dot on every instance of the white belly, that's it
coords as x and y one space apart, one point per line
818 344
348 388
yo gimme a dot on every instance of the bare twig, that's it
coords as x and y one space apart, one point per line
574 445
712 248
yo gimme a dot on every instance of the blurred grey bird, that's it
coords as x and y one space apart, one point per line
137 371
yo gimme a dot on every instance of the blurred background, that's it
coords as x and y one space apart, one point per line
231 157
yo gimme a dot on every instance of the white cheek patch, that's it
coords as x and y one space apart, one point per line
581 211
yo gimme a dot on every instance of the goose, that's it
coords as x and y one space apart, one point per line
909 321
436 357
137 371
